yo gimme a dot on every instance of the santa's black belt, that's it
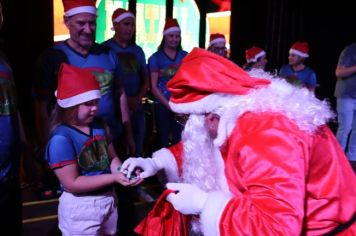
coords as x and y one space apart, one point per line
342 227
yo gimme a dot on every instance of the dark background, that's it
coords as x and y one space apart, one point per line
271 24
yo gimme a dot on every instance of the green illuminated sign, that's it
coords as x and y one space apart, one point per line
150 19
188 16
104 23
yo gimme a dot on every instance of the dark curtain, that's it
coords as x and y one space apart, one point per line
275 24
26 32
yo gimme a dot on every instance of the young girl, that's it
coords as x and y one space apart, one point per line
83 158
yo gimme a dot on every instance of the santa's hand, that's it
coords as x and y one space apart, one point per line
188 199
148 165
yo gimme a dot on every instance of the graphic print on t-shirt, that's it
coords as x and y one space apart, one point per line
129 63
93 156
8 102
104 78
169 72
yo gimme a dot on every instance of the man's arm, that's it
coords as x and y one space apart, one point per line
125 115
144 85
44 86
156 92
135 101
144 76
121 105
342 71
41 120
346 65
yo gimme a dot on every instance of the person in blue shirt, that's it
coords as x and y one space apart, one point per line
12 143
134 72
163 65
81 153
135 83
345 93
296 72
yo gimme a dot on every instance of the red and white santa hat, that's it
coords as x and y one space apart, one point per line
300 48
76 86
204 78
216 38
73 7
171 26
120 14
254 53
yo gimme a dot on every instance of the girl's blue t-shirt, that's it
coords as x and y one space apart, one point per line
68 145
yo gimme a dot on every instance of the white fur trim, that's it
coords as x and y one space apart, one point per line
298 104
164 159
204 105
123 16
299 53
220 165
211 213
217 40
258 55
78 99
171 30
83 9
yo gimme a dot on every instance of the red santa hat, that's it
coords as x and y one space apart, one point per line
75 86
73 7
203 78
252 54
120 14
170 26
216 38
300 48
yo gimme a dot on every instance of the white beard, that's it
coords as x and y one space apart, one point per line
199 161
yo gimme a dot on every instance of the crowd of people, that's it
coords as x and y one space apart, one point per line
243 150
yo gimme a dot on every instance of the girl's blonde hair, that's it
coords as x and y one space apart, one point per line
61 115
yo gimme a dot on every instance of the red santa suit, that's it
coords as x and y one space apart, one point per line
279 168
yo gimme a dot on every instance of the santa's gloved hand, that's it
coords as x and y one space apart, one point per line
149 166
188 199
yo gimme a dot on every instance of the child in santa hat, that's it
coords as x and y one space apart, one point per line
82 156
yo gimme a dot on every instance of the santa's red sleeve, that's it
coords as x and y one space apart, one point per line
170 160
265 166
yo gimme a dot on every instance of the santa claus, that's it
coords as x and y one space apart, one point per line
256 156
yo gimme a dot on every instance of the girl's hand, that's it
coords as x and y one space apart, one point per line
136 181
121 178
124 181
